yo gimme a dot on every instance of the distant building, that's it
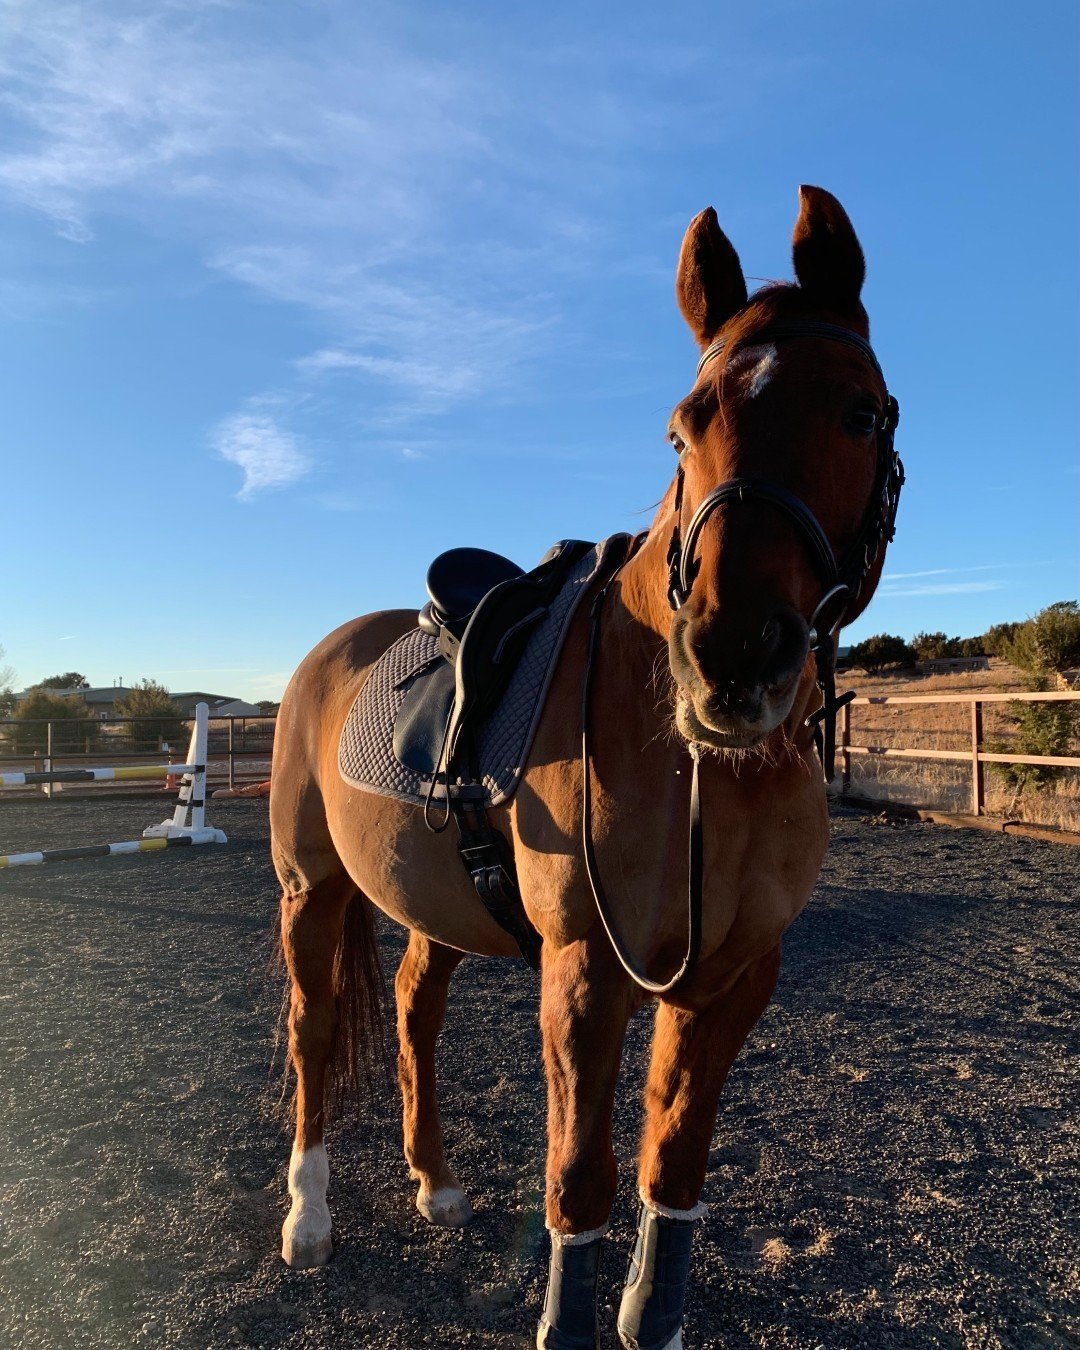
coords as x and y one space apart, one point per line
947 665
220 705
102 702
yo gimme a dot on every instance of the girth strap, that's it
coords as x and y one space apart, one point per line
489 860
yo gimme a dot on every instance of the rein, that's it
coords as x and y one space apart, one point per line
842 583
694 888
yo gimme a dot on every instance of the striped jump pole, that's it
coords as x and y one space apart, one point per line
185 827
97 775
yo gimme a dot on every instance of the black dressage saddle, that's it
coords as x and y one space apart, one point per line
483 609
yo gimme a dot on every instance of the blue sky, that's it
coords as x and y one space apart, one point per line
294 296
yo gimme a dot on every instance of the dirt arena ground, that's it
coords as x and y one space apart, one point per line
894 1163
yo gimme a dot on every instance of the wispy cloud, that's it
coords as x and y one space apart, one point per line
269 456
417 194
941 588
409 453
956 571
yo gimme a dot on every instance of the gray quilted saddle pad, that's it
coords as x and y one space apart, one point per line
366 756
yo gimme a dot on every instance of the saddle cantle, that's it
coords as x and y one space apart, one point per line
447 714
483 608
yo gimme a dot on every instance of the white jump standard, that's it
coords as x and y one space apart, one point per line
187 825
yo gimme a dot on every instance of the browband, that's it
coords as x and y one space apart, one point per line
794 328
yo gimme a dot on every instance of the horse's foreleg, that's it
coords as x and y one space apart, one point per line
692 1053
585 1005
311 929
421 986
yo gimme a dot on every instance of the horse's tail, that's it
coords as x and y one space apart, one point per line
358 1060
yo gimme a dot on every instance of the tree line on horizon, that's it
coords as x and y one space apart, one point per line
151 717
1049 642
1042 647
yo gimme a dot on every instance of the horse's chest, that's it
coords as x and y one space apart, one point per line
762 853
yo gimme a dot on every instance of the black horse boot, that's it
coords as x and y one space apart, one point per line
569 1320
651 1311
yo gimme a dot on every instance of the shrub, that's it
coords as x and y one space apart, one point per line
1050 642
934 646
1041 729
71 679
883 649
7 693
1056 635
74 728
997 638
152 700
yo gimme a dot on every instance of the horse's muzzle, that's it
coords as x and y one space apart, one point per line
733 692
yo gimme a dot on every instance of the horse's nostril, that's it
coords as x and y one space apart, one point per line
770 638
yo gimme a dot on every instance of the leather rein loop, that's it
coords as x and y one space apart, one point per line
695 881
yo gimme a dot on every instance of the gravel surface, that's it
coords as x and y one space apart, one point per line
892 1165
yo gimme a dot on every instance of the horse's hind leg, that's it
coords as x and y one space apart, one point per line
329 952
421 986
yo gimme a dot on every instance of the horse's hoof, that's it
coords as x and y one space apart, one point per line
305 1239
448 1207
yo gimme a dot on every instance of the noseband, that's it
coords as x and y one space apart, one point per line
842 579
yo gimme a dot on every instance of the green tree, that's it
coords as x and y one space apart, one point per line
1048 643
74 727
997 638
1041 729
934 646
1042 646
876 653
152 700
71 679
1056 636
268 707
972 646
7 693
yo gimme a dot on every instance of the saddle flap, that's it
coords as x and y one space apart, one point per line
421 723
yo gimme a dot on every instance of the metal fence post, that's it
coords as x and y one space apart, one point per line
48 788
232 755
978 792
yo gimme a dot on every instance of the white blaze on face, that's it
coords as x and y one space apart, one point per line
755 365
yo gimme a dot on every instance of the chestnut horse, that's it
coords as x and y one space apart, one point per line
788 398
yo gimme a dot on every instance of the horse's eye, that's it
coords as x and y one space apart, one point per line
863 422
677 441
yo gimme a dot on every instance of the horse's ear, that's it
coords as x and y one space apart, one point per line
829 262
709 285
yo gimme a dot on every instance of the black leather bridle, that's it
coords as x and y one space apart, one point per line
842 579
842 582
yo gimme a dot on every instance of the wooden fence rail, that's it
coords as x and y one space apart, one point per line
976 756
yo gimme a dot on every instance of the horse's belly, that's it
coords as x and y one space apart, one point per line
414 876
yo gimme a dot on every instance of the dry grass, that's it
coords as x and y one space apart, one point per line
947 726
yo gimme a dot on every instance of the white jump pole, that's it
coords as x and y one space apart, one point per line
187 825
189 818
